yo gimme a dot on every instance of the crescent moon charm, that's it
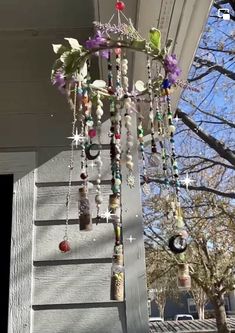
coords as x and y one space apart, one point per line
88 152
177 244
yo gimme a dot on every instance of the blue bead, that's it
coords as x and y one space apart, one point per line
166 84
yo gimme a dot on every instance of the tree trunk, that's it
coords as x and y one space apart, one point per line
161 311
201 312
220 314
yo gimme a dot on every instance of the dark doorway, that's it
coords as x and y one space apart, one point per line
6 195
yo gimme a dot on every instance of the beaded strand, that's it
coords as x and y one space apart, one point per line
151 113
128 123
99 163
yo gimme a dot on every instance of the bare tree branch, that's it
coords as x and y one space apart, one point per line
217 50
224 2
196 78
211 141
222 119
214 67
196 188
212 160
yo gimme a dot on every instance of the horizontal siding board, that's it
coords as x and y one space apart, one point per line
53 166
51 202
41 99
43 17
97 243
28 128
86 283
47 127
97 320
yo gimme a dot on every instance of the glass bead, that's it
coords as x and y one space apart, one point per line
158 116
115 189
117 182
98 199
118 51
64 246
120 5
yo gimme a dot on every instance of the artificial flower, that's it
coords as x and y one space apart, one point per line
172 68
98 41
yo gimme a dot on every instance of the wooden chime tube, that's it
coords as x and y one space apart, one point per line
117 278
184 278
85 220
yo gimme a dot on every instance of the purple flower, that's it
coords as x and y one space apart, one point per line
171 67
58 79
104 54
97 41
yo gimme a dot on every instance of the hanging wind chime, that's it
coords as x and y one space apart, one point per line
113 41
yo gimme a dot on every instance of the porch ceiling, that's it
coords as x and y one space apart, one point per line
29 27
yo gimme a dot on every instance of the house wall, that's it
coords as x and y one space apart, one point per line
78 283
70 292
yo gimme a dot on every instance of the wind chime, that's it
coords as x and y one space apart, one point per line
71 74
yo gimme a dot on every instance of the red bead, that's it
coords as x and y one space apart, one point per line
118 51
83 176
120 5
111 91
117 136
64 246
92 133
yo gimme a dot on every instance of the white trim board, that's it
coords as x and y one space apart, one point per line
21 165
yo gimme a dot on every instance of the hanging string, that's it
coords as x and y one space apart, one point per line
171 130
64 246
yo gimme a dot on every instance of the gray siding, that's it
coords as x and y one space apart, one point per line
77 284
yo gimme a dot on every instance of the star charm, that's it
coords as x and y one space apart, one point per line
92 165
187 181
107 215
131 239
77 138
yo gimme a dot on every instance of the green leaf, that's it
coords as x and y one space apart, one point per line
56 47
57 65
74 43
169 43
164 51
60 49
71 61
155 38
139 44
